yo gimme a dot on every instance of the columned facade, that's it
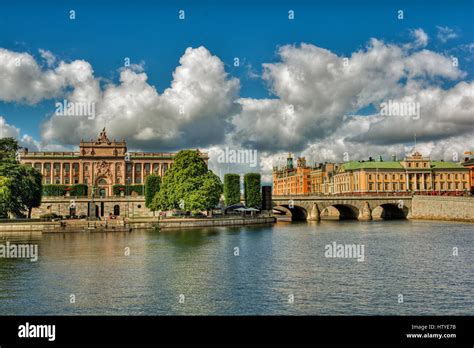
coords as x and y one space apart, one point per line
100 164
415 173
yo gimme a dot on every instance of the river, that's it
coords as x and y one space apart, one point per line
276 270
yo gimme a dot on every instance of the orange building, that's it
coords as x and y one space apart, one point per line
291 180
413 174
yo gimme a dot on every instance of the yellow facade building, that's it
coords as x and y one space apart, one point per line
413 174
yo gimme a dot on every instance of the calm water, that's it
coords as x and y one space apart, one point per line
413 258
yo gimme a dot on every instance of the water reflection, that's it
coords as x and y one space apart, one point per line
413 258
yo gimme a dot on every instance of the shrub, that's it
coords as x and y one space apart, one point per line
79 190
49 216
128 189
54 190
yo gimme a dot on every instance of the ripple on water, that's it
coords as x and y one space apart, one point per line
412 258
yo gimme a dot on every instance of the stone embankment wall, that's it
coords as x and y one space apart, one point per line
193 223
129 206
442 208
137 223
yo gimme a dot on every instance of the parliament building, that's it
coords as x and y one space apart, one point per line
100 164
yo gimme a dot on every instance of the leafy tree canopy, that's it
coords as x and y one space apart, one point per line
8 149
188 185
5 195
24 182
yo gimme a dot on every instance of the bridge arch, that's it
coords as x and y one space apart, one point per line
298 213
390 211
340 211
364 208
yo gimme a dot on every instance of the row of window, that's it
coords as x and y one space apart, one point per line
402 187
437 176
46 171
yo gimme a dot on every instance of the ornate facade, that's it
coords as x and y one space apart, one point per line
413 174
100 164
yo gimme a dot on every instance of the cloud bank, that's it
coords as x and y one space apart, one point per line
322 105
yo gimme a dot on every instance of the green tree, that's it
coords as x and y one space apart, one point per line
25 187
152 186
252 194
207 196
231 189
24 182
32 197
8 149
13 171
188 185
5 196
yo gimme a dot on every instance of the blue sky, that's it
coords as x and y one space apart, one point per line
284 64
105 32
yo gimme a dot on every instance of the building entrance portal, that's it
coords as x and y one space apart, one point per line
102 187
102 192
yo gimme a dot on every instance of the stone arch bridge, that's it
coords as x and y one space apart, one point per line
349 207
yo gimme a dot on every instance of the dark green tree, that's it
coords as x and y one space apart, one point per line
24 182
231 189
188 185
13 172
8 149
252 194
152 186
5 196
32 197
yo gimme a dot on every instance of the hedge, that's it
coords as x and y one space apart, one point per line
128 189
61 190
79 190
54 190
253 196
231 189
152 186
